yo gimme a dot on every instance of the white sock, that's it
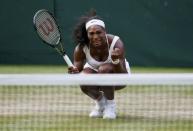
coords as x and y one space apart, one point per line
110 102
102 101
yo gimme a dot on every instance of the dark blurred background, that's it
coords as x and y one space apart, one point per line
156 33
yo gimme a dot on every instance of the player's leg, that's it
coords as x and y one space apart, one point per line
110 106
91 91
128 71
96 94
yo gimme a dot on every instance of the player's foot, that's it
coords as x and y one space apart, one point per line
110 110
99 108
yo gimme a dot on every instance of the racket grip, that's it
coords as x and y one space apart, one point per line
68 61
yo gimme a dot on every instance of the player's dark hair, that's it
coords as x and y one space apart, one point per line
79 32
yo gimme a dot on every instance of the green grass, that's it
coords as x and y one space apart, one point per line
173 90
161 70
63 69
59 121
12 69
83 123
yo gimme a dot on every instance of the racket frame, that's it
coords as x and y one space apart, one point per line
58 46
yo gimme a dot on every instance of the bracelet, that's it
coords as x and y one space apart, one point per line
115 62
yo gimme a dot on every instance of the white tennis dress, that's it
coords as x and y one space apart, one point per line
94 64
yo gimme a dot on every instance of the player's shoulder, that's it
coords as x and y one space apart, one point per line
79 47
111 37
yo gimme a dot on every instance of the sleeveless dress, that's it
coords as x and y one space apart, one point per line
94 64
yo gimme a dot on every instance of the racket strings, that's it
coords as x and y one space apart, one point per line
47 28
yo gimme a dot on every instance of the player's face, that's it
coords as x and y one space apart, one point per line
97 36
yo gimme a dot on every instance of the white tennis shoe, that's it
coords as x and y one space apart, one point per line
110 110
99 108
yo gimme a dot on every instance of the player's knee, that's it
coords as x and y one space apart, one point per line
84 89
119 87
105 69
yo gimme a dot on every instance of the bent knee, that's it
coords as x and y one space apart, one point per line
105 69
119 87
84 89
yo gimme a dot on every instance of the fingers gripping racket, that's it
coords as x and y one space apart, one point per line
48 30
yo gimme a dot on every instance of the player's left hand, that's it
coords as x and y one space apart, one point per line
116 54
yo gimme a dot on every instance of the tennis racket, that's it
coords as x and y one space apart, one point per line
48 30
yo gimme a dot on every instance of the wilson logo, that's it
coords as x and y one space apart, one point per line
46 27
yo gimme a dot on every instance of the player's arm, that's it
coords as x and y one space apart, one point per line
79 60
118 57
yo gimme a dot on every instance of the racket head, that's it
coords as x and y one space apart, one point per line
46 27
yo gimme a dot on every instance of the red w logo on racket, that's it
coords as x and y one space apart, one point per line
47 27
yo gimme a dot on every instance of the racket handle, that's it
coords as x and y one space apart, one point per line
68 61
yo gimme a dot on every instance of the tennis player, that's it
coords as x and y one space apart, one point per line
98 52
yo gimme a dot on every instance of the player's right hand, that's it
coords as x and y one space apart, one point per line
73 70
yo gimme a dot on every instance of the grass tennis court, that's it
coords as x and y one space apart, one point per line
66 108
60 108
63 69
